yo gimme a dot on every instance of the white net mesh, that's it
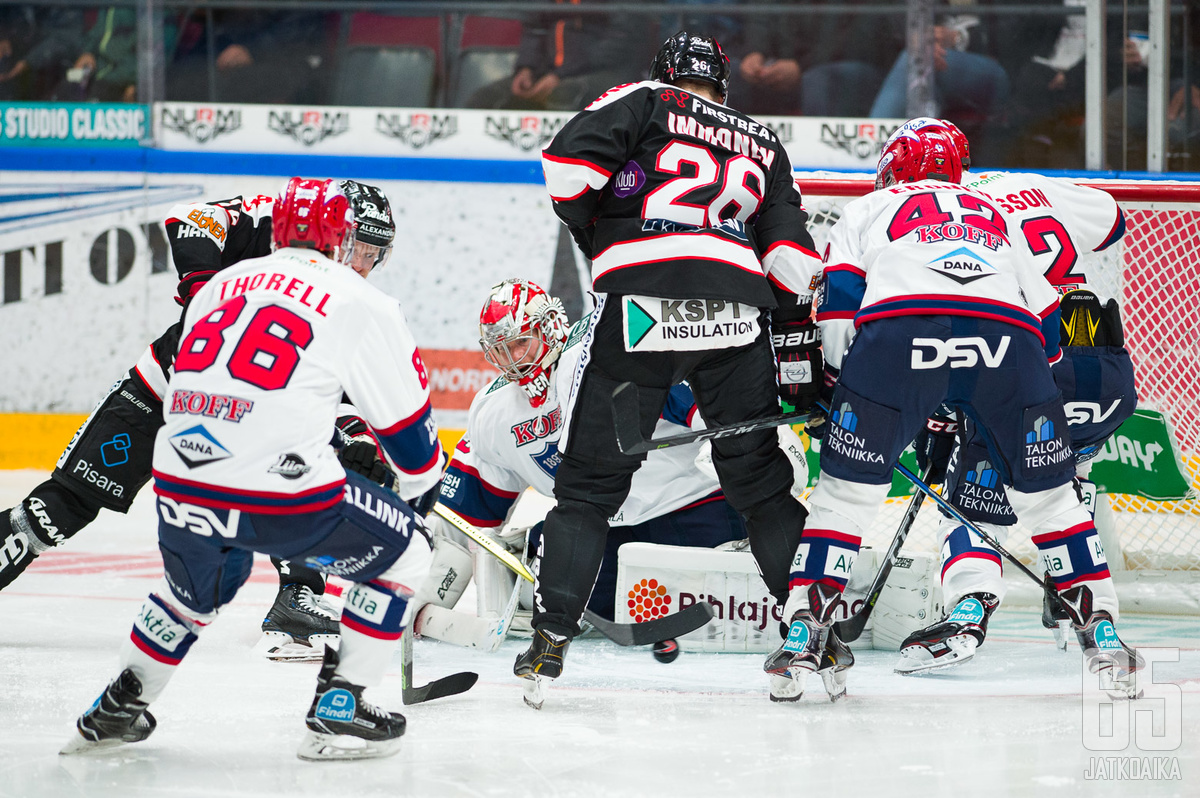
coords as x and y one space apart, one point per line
1155 273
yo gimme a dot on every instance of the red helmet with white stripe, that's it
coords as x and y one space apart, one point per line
522 330
919 153
312 214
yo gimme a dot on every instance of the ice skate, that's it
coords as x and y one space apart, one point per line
951 642
1116 664
542 660
117 717
1056 618
342 725
836 659
802 652
298 626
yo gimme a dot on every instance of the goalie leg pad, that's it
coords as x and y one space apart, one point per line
450 571
108 461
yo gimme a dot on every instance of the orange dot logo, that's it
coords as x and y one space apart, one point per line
648 600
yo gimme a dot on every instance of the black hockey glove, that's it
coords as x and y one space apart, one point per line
798 363
934 445
363 458
819 422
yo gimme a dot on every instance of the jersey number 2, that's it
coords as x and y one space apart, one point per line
265 356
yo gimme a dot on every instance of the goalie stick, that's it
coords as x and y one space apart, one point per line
851 629
627 422
453 684
623 634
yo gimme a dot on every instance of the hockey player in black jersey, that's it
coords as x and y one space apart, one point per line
693 223
108 460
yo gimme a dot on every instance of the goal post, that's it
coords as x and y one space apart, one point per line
1149 471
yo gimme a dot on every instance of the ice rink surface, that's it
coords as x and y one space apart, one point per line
617 723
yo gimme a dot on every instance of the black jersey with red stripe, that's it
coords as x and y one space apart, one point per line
674 195
207 237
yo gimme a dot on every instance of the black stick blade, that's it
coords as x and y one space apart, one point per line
675 625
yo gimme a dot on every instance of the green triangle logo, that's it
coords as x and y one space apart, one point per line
637 322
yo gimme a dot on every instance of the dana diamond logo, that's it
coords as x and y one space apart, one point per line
197 447
962 266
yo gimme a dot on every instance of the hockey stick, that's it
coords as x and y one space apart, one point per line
486 541
627 421
1047 587
623 634
669 627
453 684
851 629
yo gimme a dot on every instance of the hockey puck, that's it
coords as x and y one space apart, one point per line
666 651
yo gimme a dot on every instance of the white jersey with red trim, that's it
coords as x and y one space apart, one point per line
1062 222
270 345
930 248
510 446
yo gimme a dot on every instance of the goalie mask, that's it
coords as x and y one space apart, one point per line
692 57
921 153
374 228
312 214
522 331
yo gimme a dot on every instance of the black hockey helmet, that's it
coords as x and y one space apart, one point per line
693 57
373 223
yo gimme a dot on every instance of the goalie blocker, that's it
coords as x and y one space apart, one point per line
653 580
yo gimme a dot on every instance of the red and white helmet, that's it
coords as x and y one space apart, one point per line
522 330
312 214
925 152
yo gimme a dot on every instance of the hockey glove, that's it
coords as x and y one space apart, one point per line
363 458
934 445
798 361
818 423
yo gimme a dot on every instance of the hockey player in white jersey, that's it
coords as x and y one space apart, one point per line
926 300
1061 223
511 443
244 464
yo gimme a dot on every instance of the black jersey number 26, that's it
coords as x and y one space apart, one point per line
741 191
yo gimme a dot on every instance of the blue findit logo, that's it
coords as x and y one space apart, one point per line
969 610
1106 637
336 705
844 417
197 447
983 475
962 266
1043 430
116 451
548 459
797 638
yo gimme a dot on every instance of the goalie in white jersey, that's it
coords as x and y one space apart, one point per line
244 464
926 300
512 441
1061 223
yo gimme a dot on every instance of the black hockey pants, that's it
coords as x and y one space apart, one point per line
730 385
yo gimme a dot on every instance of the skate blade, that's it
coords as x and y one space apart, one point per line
788 686
318 747
835 683
80 745
1061 635
535 694
282 647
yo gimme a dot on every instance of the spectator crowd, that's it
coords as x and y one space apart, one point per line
1013 82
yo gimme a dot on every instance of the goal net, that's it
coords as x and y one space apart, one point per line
1149 472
